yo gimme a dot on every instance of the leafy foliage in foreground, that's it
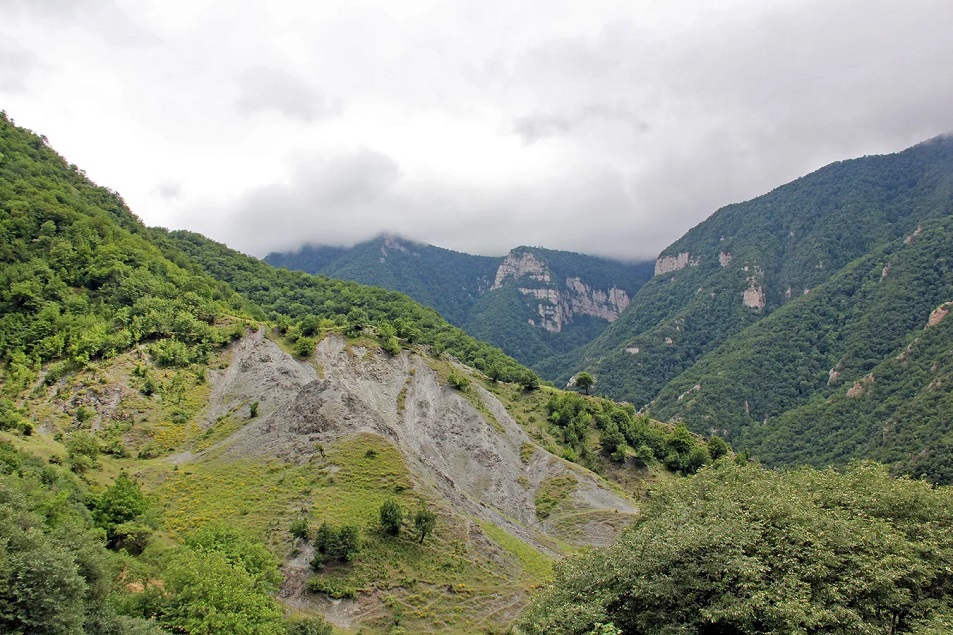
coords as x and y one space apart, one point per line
55 574
738 549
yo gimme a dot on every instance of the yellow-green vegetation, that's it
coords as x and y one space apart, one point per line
553 491
447 584
527 450
402 396
537 568
220 429
255 494
574 527
129 404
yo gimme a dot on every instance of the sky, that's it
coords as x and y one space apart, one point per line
603 127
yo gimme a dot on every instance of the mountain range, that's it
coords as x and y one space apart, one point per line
533 303
806 324
193 440
794 324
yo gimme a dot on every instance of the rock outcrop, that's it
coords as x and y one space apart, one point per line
556 304
937 315
667 264
521 265
472 460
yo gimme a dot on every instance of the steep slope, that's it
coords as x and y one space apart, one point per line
354 410
533 303
330 440
133 354
446 280
751 258
543 302
855 368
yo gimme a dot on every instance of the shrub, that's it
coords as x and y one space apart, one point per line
458 381
308 626
424 521
392 517
299 528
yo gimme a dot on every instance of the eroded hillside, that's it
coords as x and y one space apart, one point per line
334 437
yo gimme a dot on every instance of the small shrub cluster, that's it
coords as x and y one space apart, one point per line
340 543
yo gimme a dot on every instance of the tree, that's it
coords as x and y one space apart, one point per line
304 346
239 548
348 543
424 521
585 382
717 447
392 517
209 592
529 381
644 456
341 543
121 502
758 551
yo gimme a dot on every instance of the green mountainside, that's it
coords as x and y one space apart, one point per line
446 280
193 441
761 318
534 303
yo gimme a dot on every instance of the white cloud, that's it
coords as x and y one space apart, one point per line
605 127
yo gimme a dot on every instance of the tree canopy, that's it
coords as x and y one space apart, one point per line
739 549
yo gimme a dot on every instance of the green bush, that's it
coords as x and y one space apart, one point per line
391 517
334 587
424 521
308 626
457 381
300 528
341 543
759 551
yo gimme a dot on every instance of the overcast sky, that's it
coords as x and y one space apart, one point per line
596 126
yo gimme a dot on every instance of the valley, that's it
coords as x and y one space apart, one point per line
193 440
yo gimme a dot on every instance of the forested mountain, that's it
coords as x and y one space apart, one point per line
193 441
533 303
759 321
449 281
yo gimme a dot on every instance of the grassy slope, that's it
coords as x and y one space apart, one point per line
469 576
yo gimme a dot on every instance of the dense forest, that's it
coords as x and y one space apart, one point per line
763 317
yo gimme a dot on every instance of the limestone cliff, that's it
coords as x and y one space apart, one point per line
554 301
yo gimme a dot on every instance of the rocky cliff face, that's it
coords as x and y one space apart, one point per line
478 463
553 300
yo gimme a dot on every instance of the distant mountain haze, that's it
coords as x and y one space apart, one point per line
533 303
